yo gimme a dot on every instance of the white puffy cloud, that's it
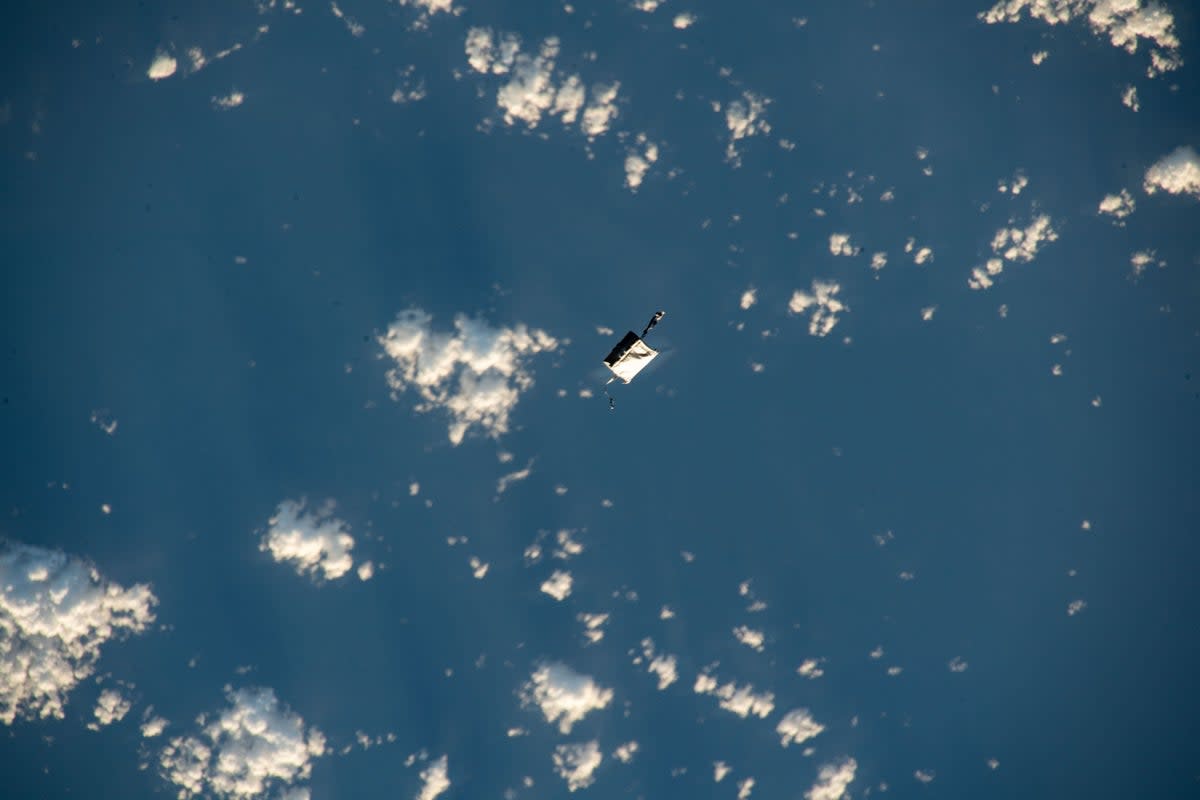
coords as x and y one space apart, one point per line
231 100
811 668
625 752
434 779
745 787
745 117
163 66
1013 244
152 724
563 695
252 746
593 626
923 255
1075 606
638 161
925 775
111 706
1123 22
430 8
1177 173
355 28
312 542
649 6
532 86
754 639
741 700
684 21
797 727
1129 98
56 614
558 585
957 664
824 303
839 245
832 780
749 298
878 260
1118 206
1015 186
476 373
577 763
662 665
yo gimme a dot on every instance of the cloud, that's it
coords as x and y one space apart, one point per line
533 87
649 6
577 763
558 585
512 477
684 21
925 775
625 752
878 260
741 700
352 25
745 118
229 101
811 668
663 665
1015 186
250 747
152 724
312 542
745 787
434 780
750 637
163 66
797 727
593 626
563 695
1123 22
839 245
1129 98
104 420
1118 206
1013 244
475 374
957 664
1177 173
111 707
56 614
638 161
832 780
1076 606
749 298
824 303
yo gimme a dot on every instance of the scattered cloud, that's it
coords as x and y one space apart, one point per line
1075 606
649 6
749 298
664 665
563 695
1129 98
1014 186
824 303
878 260
510 478
229 101
745 787
745 117
252 746
925 775
435 779
558 585
839 245
1013 244
533 87
111 707
475 374
741 700
957 664
593 626
811 668
797 727
720 770
352 25
577 763
1038 57
163 66
366 570
1142 259
832 780
625 752
684 21
1177 173
1123 22
103 419
1118 206
152 724
638 161
313 543
750 637
56 614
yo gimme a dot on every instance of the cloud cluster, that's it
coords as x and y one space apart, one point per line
1177 173
577 763
741 700
56 614
825 305
832 780
839 245
1123 22
533 87
252 746
476 373
558 585
1015 245
317 543
638 161
797 727
111 706
663 666
1118 206
434 779
563 695
745 117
